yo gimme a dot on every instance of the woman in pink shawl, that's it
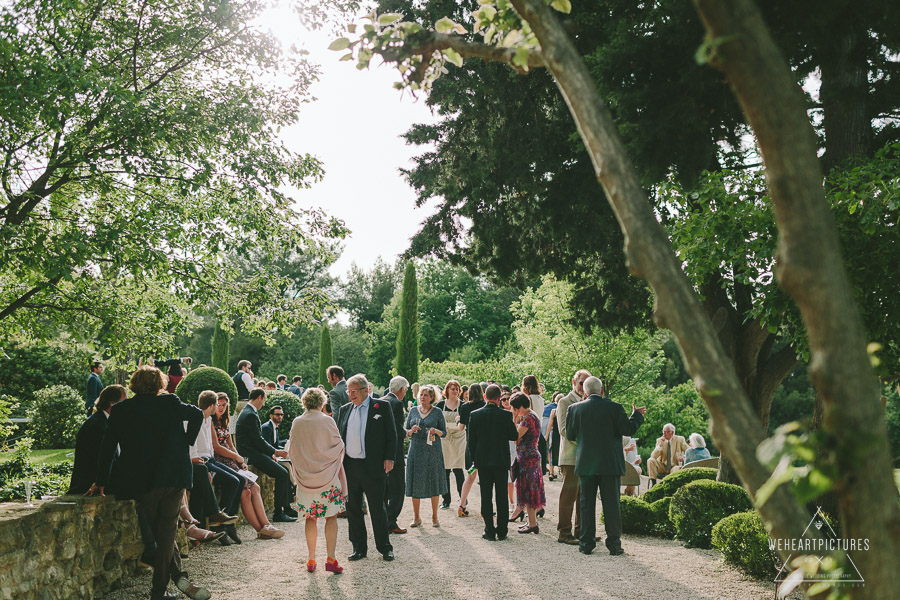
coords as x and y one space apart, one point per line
317 454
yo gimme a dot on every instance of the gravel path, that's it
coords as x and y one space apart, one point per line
453 562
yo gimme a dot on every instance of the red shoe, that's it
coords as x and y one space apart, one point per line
311 566
333 566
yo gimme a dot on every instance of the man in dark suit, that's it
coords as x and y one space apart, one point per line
491 429
94 386
87 442
269 429
260 453
597 425
296 386
337 397
370 437
153 467
396 479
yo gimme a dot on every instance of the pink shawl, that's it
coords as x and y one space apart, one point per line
316 451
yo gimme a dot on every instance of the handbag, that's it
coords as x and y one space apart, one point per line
514 470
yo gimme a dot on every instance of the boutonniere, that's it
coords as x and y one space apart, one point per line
376 406
377 417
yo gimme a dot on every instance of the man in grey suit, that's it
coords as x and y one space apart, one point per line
569 493
338 396
597 425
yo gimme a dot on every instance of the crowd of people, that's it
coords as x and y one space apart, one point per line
347 456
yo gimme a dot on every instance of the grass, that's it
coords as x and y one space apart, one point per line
44 457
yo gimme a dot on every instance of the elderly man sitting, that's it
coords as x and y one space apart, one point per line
668 454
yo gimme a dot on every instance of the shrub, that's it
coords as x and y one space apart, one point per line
7 405
206 378
662 524
48 479
637 516
289 402
672 483
743 542
56 415
699 505
28 367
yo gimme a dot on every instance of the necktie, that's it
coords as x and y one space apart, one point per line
669 456
359 416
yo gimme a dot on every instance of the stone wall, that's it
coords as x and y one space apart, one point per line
69 548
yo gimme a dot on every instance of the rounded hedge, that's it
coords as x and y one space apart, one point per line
639 517
662 524
672 483
56 414
289 402
744 543
206 378
699 505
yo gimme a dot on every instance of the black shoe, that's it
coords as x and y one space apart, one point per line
584 550
389 555
232 533
540 513
224 541
290 512
616 552
490 538
501 538
283 518
445 505
357 555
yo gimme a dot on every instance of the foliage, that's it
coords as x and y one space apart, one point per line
743 542
29 366
681 406
291 405
662 524
7 405
667 486
642 518
892 413
128 176
407 361
220 343
299 353
505 370
56 415
325 357
48 479
365 294
206 378
794 400
699 505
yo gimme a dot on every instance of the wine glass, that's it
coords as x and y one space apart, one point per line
29 484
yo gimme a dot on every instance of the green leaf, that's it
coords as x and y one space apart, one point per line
521 57
454 57
782 474
351 28
388 18
563 6
445 25
339 44
346 57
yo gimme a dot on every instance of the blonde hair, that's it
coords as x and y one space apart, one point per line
313 398
431 393
148 380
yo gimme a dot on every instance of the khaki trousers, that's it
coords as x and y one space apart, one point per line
569 498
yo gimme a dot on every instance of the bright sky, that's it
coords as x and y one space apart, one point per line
354 128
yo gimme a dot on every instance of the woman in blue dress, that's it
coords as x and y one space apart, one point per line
425 476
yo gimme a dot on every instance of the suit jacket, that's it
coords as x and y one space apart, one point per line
154 445
338 396
597 425
566 447
679 446
381 434
270 434
87 453
491 429
296 389
94 387
399 420
248 435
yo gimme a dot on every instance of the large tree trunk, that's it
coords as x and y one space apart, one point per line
810 269
736 428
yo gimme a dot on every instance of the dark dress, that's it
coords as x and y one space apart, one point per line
530 483
224 439
554 442
425 477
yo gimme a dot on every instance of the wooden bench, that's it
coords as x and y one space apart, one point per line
711 463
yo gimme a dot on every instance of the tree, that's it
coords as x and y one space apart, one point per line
138 144
220 342
365 294
809 265
407 361
325 357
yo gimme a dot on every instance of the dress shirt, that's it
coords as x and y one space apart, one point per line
248 381
356 430
203 447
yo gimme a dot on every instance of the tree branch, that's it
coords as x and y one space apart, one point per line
24 298
427 43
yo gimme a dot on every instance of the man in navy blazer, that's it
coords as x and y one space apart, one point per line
370 440
597 425
269 429
153 467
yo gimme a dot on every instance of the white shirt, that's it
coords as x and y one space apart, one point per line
248 381
356 430
203 447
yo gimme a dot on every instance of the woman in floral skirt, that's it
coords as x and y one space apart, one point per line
317 453
529 482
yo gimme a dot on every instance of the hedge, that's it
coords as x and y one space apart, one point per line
56 414
744 543
289 402
672 483
206 378
699 505
639 517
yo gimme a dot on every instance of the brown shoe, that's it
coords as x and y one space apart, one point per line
398 530
220 518
568 539
342 514
269 533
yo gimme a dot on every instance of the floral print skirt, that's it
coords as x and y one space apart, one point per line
322 504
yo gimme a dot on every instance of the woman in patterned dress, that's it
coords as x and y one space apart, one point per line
316 451
530 482
251 498
425 477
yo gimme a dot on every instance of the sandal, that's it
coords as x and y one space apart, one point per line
416 523
311 566
206 536
462 512
333 566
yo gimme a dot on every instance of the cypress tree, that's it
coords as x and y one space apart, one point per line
220 342
325 356
407 361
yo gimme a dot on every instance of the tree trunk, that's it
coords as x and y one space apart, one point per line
736 429
810 269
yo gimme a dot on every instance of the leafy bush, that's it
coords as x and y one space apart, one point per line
662 524
743 542
206 378
699 505
56 415
641 518
48 479
672 483
291 405
7 405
